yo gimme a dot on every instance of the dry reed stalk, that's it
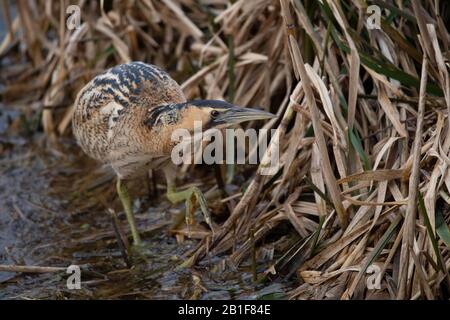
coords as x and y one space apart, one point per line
411 209
30 269
330 179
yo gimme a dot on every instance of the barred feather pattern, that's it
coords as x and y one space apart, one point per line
109 121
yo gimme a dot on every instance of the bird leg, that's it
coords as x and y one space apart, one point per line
125 198
190 195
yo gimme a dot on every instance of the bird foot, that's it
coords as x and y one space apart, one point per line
191 196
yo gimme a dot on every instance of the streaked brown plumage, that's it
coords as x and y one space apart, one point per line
109 119
125 117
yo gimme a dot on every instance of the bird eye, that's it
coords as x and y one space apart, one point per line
214 113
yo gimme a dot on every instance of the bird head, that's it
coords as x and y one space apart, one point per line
211 114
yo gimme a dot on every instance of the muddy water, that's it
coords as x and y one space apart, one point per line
51 215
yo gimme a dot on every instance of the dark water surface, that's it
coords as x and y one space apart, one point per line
51 216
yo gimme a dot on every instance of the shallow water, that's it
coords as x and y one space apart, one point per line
51 215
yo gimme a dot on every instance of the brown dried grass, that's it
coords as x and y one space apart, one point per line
377 102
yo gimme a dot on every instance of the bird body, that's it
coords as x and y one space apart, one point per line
125 118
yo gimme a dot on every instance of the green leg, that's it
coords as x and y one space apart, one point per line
188 195
124 196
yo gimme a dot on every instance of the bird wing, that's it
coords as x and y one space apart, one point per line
107 98
135 83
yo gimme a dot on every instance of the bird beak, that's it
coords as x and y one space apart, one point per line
235 114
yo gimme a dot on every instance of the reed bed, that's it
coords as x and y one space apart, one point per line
362 196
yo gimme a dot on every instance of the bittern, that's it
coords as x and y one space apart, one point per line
125 117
